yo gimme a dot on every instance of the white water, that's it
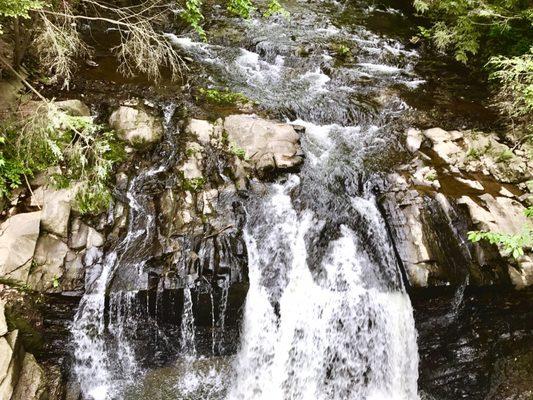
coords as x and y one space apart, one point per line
335 338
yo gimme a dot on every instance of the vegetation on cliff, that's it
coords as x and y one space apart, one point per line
496 36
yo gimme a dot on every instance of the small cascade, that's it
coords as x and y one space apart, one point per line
123 311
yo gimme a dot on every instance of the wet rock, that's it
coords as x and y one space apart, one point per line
136 126
49 259
74 107
18 239
269 145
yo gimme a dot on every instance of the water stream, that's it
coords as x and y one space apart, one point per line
326 315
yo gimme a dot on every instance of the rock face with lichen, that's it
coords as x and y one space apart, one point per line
457 182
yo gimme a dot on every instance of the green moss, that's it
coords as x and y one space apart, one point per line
194 184
223 96
237 151
504 155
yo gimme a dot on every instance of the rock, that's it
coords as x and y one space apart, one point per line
94 238
56 206
74 107
192 167
203 130
414 140
470 183
136 126
30 385
78 235
7 385
18 239
6 354
268 144
49 259
3 324
522 276
506 192
74 271
438 135
43 178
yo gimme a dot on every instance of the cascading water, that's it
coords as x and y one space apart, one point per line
327 315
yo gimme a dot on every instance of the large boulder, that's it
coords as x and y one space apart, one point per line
269 145
18 238
136 126
56 206
15 356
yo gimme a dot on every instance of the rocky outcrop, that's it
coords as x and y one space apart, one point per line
21 378
45 249
448 190
269 145
136 126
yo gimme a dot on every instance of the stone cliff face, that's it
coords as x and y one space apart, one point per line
457 182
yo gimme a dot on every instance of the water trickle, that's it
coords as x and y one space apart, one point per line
188 333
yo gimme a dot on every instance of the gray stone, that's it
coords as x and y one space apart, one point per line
414 140
18 238
522 276
49 259
94 238
74 271
136 126
56 206
74 107
203 130
268 144
8 383
6 354
78 235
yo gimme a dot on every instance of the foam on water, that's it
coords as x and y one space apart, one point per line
331 338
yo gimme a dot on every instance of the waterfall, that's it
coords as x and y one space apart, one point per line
326 314
331 337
